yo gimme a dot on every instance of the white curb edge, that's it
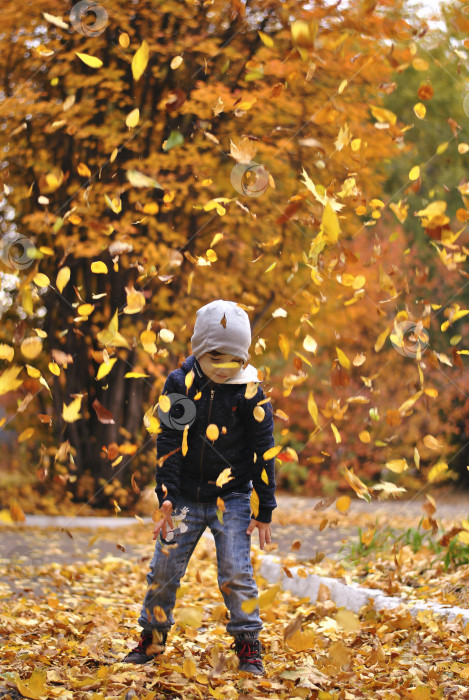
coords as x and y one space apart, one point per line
350 596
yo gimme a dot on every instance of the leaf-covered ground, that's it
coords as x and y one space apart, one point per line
64 636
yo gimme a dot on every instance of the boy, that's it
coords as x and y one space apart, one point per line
210 455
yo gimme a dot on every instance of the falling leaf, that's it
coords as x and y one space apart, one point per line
105 367
175 139
259 413
140 61
63 276
437 471
17 515
135 301
312 408
310 344
343 359
357 485
31 347
166 335
99 267
104 416
212 433
224 477
6 352
343 504
420 110
190 616
255 503
138 179
41 280
272 452
85 309
71 413
431 442
176 62
284 345
414 173
133 118
83 170
90 61
398 466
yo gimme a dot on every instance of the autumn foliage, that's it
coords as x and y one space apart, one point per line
172 154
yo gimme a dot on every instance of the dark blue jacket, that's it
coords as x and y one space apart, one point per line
240 445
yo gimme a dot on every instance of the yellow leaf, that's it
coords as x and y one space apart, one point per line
272 452
135 375
148 338
248 606
189 669
383 115
32 372
266 39
83 170
212 432
284 345
343 504
140 60
41 280
190 616
164 403
33 687
264 477
135 301
176 62
364 436
431 442
85 309
343 359
184 445
437 470
420 110
105 367
348 620
381 339
31 347
224 477
99 267
90 61
6 352
357 485
397 465
133 118
267 598
54 368
330 224
114 204
336 433
25 434
71 413
312 408
259 413
254 503
124 40
63 277
414 173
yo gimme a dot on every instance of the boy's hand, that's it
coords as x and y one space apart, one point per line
264 531
162 525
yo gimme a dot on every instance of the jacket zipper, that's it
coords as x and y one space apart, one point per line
212 394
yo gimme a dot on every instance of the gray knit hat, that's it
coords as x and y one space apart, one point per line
224 326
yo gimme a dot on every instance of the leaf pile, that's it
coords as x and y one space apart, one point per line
66 642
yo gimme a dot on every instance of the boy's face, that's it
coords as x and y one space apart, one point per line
219 367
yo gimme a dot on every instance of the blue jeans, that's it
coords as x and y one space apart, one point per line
235 574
